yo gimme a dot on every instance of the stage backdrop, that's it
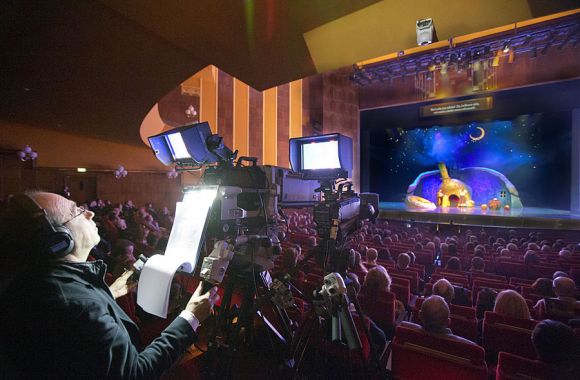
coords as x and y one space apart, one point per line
533 151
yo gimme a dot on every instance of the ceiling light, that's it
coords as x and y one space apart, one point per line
506 46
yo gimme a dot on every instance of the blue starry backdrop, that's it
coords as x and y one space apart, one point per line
533 151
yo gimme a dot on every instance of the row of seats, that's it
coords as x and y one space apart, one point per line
417 356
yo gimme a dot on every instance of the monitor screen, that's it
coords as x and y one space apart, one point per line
320 155
178 149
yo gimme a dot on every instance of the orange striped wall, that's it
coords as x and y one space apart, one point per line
256 123
260 123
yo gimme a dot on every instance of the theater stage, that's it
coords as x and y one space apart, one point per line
527 217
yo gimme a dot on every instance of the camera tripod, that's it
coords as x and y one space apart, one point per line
233 331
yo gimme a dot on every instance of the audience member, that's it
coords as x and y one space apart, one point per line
384 253
556 344
289 261
531 258
403 261
565 290
444 289
511 304
543 287
378 280
122 257
477 265
559 273
453 264
371 258
434 315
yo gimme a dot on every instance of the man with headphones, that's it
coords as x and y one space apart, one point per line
59 318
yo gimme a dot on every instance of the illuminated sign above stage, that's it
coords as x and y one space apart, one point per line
441 109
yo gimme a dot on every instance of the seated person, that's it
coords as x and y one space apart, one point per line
557 345
385 254
565 290
371 258
452 294
378 337
444 289
378 280
122 257
412 256
479 251
543 286
453 264
289 260
559 273
435 317
403 261
511 304
477 265
355 263
531 258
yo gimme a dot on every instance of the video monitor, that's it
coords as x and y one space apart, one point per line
184 145
322 157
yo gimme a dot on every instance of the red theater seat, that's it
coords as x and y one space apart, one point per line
455 280
513 367
402 289
511 268
412 276
513 335
380 307
544 270
488 276
417 355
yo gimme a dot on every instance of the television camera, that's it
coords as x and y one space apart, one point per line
228 226
328 159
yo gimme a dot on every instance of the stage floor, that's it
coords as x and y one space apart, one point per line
527 217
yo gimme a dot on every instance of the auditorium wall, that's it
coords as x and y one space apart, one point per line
257 123
260 123
59 154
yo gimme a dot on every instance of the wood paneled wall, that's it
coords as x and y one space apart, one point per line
140 187
340 111
259 123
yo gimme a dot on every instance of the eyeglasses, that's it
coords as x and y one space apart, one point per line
81 211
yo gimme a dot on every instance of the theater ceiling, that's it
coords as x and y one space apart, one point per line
96 67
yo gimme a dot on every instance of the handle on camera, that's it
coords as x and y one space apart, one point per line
252 160
206 286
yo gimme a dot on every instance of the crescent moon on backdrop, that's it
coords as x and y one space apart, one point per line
477 138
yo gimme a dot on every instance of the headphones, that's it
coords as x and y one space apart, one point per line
56 241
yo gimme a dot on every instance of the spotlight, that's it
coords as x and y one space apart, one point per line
506 46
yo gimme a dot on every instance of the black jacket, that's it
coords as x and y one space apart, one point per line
61 321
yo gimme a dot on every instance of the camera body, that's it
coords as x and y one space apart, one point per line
333 285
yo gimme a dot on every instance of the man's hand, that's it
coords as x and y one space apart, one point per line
120 287
200 304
